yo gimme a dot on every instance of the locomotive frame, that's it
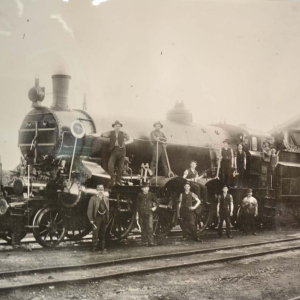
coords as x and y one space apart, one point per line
59 172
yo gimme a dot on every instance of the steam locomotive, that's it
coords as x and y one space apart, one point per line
62 163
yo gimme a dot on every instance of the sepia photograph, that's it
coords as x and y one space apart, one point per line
149 149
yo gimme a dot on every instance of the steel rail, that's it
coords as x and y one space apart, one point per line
148 270
138 259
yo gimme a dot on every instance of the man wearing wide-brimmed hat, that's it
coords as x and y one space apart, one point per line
118 140
227 162
159 141
250 210
147 203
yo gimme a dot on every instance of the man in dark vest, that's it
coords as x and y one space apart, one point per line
227 162
186 212
224 211
159 141
241 162
192 175
118 140
147 203
98 214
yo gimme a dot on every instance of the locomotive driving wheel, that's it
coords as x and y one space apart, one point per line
202 217
121 217
49 227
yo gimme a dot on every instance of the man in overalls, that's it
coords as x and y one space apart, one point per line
98 214
186 212
224 211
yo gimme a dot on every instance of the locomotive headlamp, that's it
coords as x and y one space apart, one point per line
77 129
3 206
18 186
37 93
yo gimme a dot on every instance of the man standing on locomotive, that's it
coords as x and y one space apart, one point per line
159 142
250 210
118 140
98 214
241 162
224 211
227 162
192 175
147 203
186 212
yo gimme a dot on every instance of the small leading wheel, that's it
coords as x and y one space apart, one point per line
77 235
49 228
202 217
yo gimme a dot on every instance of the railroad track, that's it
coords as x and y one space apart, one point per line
50 276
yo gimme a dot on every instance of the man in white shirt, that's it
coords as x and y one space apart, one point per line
250 210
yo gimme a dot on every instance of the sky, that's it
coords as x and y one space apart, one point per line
226 60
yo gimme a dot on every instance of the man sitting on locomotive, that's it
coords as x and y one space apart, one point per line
224 211
192 175
98 215
249 211
145 209
159 141
186 212
118 140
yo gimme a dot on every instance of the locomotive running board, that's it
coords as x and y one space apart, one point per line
93 169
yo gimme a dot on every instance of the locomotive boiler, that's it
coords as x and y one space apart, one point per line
62 163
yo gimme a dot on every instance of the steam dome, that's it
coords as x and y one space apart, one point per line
180 114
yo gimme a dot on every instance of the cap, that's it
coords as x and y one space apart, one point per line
158 123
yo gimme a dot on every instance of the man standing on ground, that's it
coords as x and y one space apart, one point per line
224 211
98 214
186 212
250 210
147 203
159 142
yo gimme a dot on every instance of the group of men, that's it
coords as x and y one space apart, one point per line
147 203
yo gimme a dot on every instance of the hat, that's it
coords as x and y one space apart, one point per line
117 123
226 141
145 184
188 183
194 162
249 191
158 123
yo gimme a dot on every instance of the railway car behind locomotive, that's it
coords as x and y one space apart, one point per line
62 163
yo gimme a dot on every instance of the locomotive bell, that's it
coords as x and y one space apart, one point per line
36 94
60 91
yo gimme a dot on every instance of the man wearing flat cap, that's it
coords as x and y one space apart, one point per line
118 140
98 215
159 141
227 162
147 203
186 212
249 211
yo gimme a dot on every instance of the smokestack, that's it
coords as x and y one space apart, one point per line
60 91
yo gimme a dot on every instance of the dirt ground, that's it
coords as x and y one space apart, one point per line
271 277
